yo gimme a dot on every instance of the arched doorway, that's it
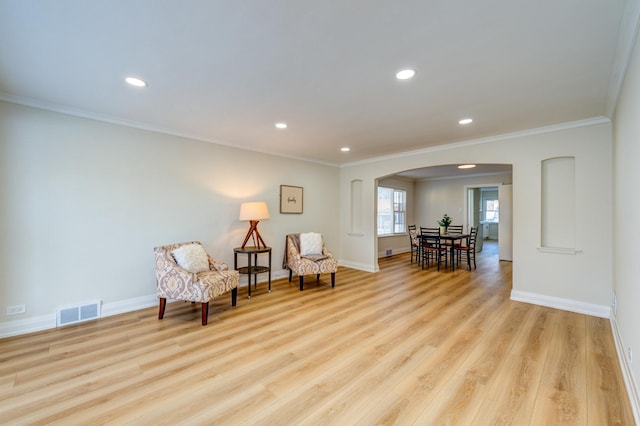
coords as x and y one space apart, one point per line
435 190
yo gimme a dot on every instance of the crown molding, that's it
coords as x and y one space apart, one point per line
63 109
489 139
77 112
626 39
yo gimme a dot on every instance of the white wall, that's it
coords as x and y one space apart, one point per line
436 197
84 202
626 226
581 282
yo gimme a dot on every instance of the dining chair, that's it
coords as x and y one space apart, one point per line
431 246
453 229
469 248
414 242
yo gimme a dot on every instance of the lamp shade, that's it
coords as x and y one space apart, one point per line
256 210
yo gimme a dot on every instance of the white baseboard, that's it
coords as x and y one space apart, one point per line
627 373
601 311
45 322
123 306
393 251
359 266
28 325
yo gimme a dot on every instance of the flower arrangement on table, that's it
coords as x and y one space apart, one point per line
445 221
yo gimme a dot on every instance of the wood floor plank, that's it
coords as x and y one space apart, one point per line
402 346
513 393
480 368
562 397
604 379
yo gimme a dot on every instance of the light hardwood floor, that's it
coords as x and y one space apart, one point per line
403 346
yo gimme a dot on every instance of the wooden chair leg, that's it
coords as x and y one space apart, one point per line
163 304
290 274
205 312
317 277
234 296
301 281
333 279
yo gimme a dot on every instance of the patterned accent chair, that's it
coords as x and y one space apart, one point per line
175 282
309 264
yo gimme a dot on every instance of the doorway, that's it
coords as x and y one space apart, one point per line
488 207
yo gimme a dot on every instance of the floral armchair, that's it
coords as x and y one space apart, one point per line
185 271
306 254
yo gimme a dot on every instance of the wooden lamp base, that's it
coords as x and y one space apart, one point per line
254 234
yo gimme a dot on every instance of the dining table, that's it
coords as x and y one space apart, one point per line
452 238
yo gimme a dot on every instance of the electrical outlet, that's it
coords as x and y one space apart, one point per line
614 303
15 310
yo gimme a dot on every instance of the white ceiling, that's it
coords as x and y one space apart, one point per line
225 71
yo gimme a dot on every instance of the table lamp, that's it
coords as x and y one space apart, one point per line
254 212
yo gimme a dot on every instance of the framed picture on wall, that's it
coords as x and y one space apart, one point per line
290 199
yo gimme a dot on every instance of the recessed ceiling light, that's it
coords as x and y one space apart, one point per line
136 82
405 74
466 166
466 121
281 125
345 149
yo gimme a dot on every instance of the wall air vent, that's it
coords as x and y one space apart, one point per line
78 313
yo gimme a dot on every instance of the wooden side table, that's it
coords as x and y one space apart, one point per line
252 268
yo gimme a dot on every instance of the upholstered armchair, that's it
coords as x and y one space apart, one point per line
306 254
186 272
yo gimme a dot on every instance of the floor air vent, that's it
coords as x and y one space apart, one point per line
73 314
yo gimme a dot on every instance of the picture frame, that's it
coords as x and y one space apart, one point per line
291 199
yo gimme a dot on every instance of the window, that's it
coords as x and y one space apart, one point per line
491 211
392 211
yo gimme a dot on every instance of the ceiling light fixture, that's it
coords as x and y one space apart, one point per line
466 121
281 125
345 149
405 74
136 82
466 166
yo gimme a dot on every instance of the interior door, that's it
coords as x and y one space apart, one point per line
505 226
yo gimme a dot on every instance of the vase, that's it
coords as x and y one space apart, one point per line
443 229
